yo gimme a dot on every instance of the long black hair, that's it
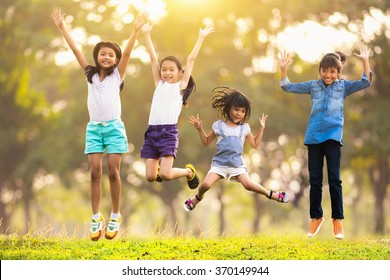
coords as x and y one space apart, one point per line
225 98
191 86
92 70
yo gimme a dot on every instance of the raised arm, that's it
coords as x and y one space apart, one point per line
192 56
58 18
138 23
197 123
255 141
364 55
146 29
284 61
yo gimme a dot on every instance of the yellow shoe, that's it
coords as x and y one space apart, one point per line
113 228
315 225
338 230
192 183
97 228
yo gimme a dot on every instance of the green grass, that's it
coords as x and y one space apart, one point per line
273 247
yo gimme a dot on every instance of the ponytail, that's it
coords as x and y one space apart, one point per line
191 87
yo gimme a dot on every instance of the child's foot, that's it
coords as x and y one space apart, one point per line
338 230
113 228
97 227
278 196
190 204
193 183
315 225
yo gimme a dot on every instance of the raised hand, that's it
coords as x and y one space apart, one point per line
196 122
58 17
206 31
283 59
364 52
263 120
141 20
146 28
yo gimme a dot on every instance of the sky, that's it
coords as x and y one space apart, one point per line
296 39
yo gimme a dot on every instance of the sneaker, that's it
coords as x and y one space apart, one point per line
338 230
97 228
315 225
113 228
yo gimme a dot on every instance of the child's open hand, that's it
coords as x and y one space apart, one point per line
283 59
364 52
58 17
146 28
263 120
141 20
196 122
206 31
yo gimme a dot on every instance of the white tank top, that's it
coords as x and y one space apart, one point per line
166 104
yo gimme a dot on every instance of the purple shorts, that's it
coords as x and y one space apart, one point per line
160 141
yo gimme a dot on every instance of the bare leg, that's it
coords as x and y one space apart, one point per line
168 172
95 163
255 187
151 169
208 182
114 162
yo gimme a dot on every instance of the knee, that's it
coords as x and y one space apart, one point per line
96 175
204 187
315 180
165 176
248 187
113 175
334 181
150 178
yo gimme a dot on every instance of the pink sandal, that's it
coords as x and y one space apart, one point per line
189 205
282 196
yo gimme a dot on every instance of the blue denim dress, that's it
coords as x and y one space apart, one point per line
229 148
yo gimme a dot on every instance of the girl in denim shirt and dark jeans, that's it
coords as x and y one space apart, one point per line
324 133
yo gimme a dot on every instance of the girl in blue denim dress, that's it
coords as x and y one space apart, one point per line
231 132
323 136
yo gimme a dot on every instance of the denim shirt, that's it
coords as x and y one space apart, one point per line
327 112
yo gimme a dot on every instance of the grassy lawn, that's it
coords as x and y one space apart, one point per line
273 247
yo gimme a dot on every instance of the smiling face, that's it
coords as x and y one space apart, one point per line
237 114
169 71
329 75
106 57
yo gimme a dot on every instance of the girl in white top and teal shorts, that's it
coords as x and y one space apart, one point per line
105 131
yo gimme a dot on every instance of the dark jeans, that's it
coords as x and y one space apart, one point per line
331 150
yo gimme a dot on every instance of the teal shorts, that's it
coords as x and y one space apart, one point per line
109 136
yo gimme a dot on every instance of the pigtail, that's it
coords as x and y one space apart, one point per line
343 57
335 60
191 87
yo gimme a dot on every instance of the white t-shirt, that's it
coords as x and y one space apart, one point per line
104 103
166 104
